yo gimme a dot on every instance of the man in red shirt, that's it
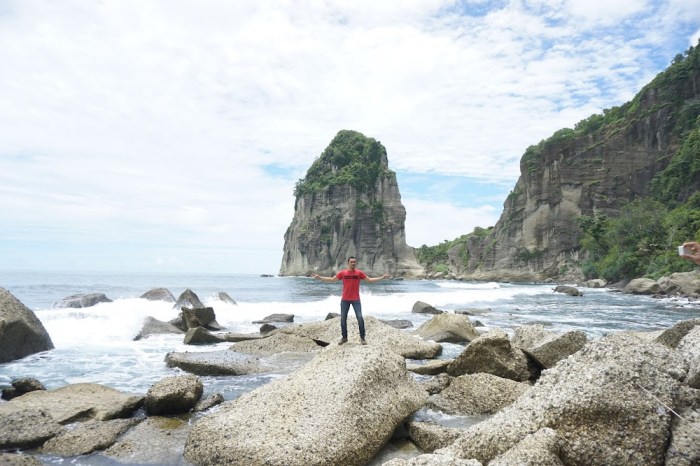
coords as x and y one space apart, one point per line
351 296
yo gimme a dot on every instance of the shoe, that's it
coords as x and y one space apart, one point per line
343 341
363 341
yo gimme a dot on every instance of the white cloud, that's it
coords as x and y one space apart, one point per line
149 122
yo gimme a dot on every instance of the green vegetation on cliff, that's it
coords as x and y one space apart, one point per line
435 257
642 240
350 159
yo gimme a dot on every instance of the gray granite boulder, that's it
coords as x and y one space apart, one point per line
173 395
429 436
546 347
81 300
223 362
26 427
672 336
689 348
21 332
153 326
435 384
208 402
419 307
377 333
159 294
538 449
599 401
156 440
18 459
450 328
493 353
189 299
684 448
87 437
196 317
596 283
642 286
78 402
566 289
277 343
340 408
477 394
683 283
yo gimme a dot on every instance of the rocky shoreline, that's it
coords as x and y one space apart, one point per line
547 398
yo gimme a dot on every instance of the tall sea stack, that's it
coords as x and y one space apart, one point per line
348 204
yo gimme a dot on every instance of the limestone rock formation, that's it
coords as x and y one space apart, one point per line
348 204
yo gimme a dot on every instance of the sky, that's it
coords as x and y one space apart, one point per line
167 135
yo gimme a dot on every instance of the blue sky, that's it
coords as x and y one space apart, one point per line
166 136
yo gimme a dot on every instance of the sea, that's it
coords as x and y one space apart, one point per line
96 344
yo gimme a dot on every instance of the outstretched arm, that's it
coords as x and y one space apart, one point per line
694 248
376 279
332 279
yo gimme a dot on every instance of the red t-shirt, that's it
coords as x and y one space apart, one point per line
351 283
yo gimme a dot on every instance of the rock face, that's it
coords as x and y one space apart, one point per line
349 205
340 408
576 173
21 332
82 300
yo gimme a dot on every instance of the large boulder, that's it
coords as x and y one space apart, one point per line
683 283
604 402
173 395
673 336
340 408
450 328
159 294
225 298
277 343
156 440
22 386
77 402
684 448
546 347
493 353
21 332
196 317
419 307
477 394
642 286
378 333
223 362
566 289
82 300
273 318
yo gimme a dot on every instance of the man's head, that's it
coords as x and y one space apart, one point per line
352 262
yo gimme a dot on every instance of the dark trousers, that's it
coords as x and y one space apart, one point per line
344 308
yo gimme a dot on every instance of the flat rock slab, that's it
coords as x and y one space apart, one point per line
223 362
156 440
26 428
88 437
78 402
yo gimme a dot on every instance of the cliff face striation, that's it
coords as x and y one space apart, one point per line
604 163
349 204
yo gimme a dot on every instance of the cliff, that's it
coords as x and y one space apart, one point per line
600 166
349 204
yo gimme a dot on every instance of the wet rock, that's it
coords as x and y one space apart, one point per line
22 386
225 298
470 311
450 328
208 402
156 440
188 299
159 294
424 308
173 395
153 326
224 362
493 353
21 332
81 300
78 402
267 328
88 437
356 393
272 318
26 427
18 459
545 347
435 367
477 394
196 317
201 336
570 290
596 283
